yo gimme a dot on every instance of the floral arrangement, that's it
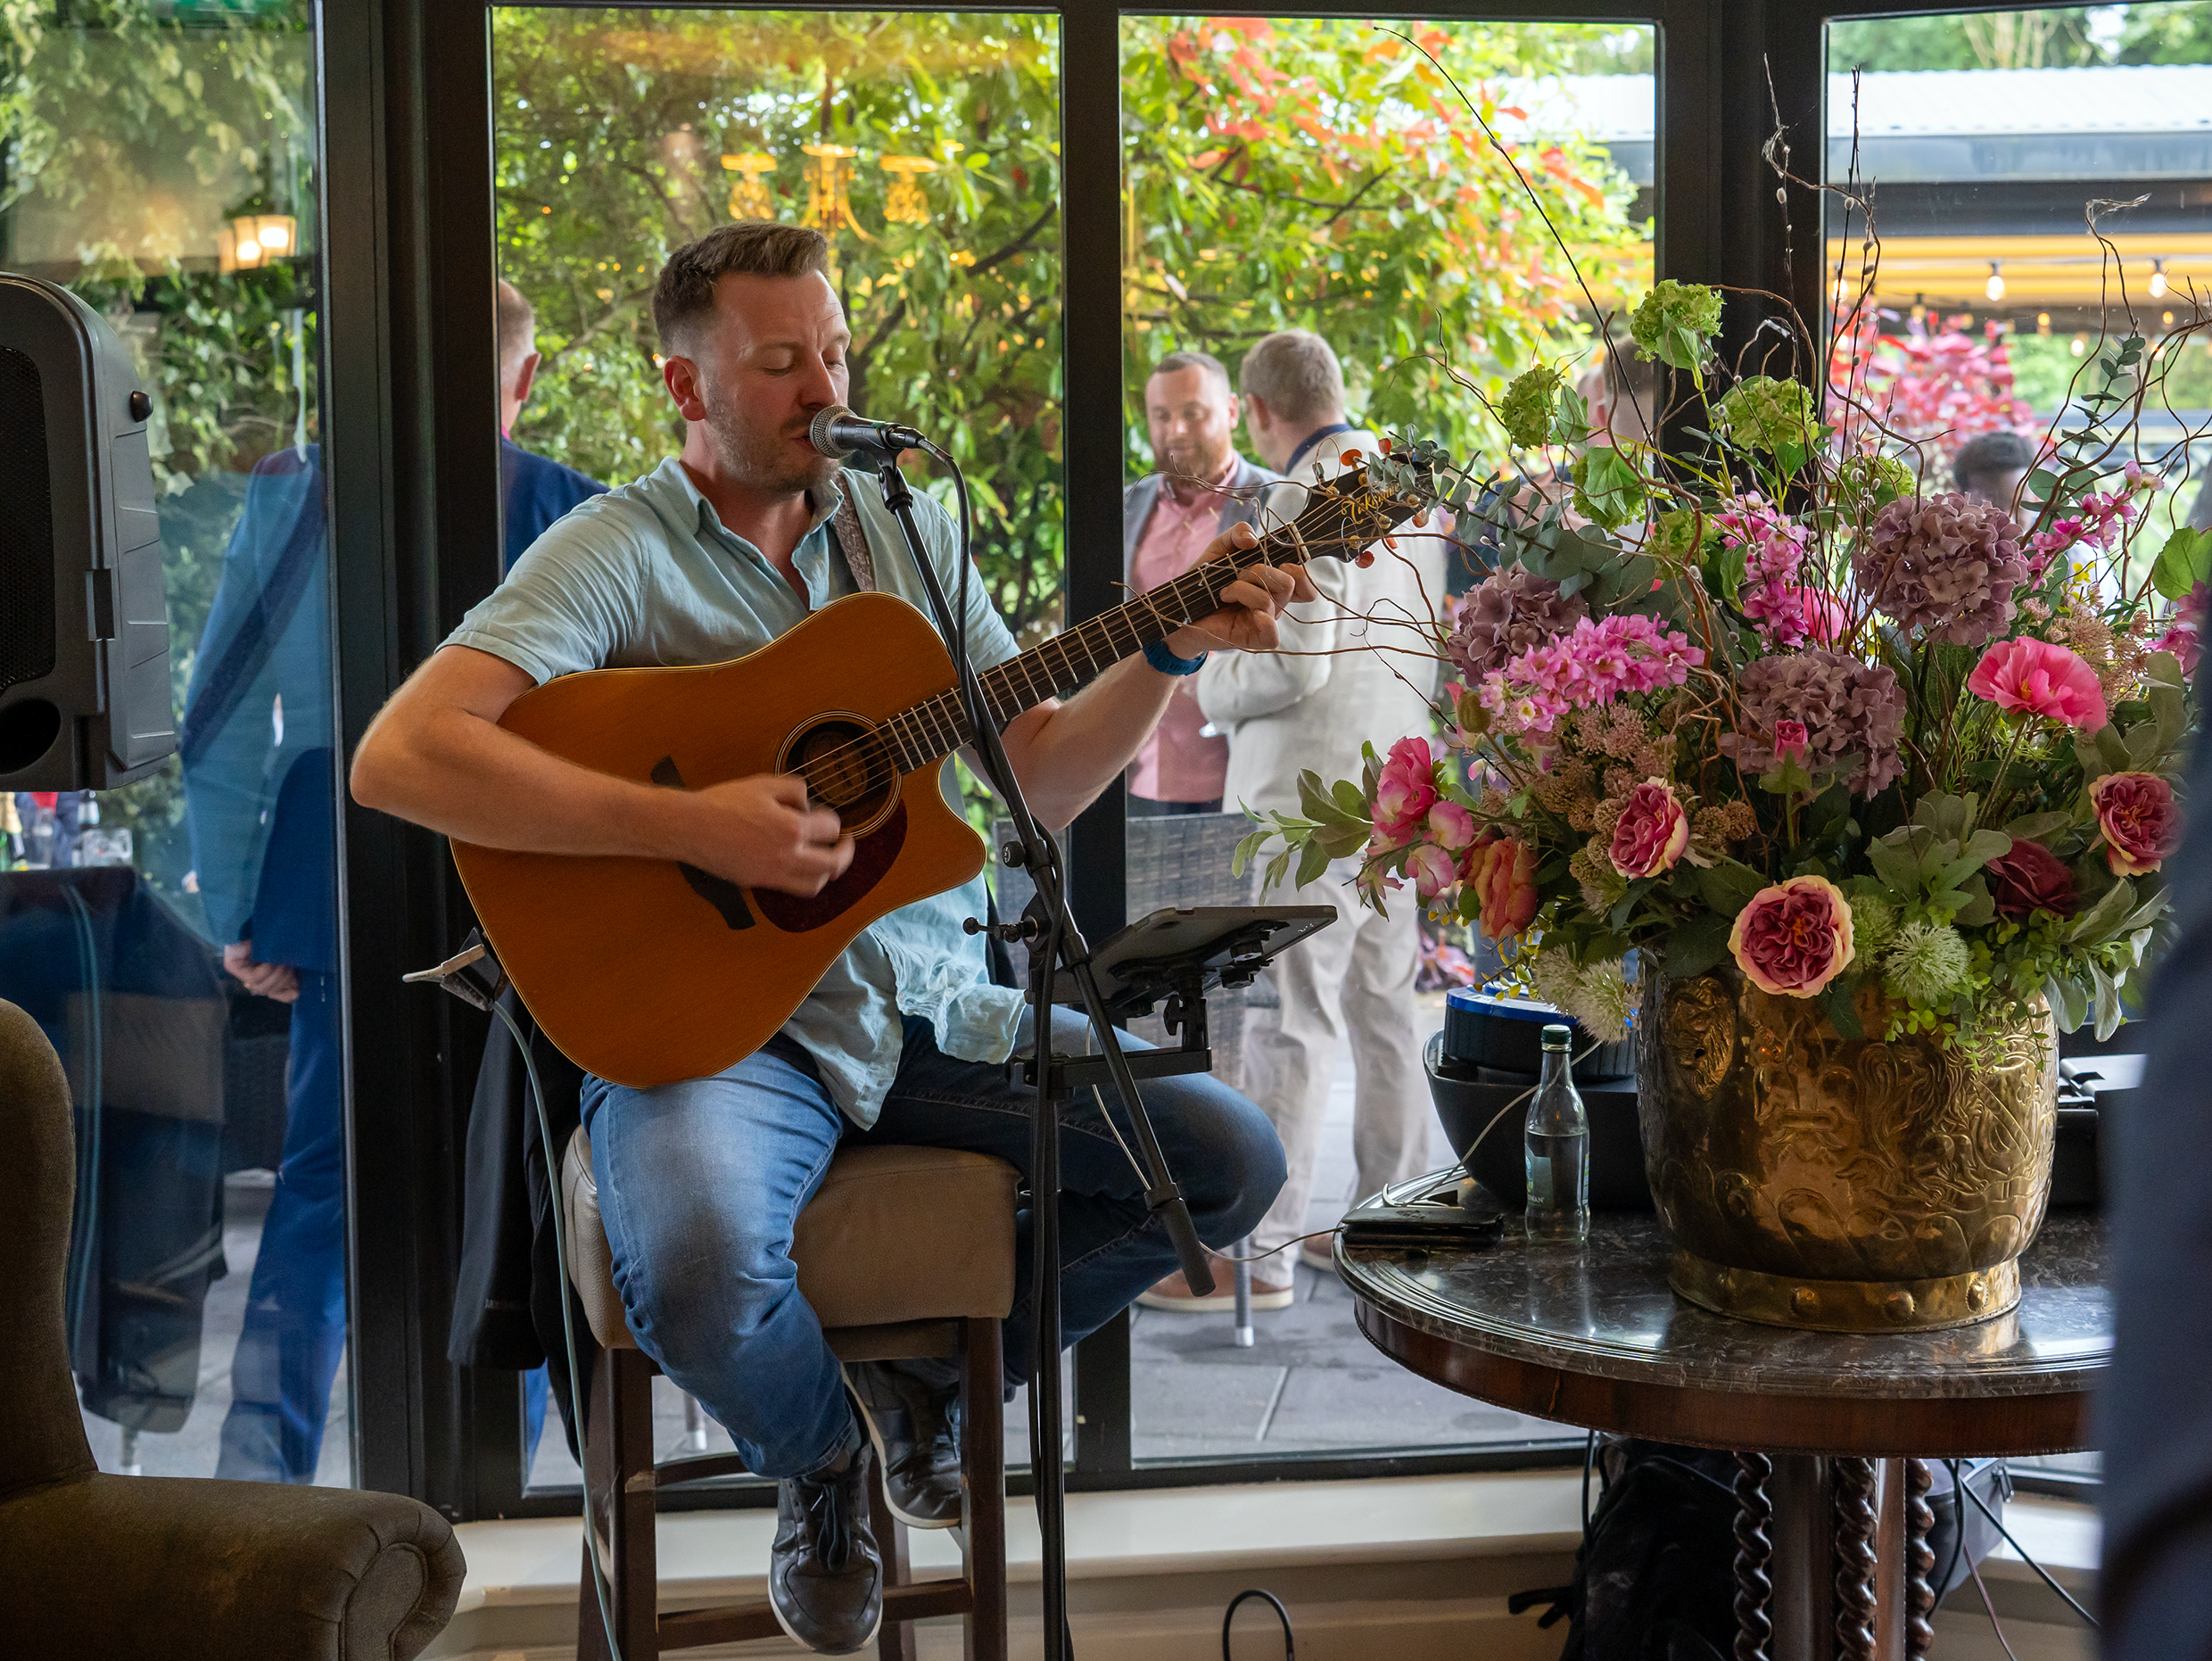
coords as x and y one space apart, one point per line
1784 701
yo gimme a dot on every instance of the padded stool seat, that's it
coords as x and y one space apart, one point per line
893 1235
903 1252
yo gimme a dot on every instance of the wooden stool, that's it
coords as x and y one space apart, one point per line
904 1252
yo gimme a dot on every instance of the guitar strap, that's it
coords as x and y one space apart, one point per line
850 541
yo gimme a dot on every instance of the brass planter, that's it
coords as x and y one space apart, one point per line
1843 1185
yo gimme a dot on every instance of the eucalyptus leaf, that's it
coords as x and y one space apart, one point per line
1980 907
2102 919
2068 1002
1698 944
1836 1004
2038 827
1311 864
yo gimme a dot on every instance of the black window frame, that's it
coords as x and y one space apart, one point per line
409 389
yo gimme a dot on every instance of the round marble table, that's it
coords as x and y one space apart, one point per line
1831 1429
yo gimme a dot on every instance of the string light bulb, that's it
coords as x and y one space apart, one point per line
1995 287
2158 279
2042 323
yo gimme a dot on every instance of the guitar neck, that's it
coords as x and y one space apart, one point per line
1338 521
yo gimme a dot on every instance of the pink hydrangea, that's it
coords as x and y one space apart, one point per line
1407 789
1794 937
1585 668
2140 821
1651 833
2033 677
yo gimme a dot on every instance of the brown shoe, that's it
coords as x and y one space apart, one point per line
1175 1292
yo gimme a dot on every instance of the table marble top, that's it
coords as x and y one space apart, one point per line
1604 1309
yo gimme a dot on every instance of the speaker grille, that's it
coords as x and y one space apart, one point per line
26 525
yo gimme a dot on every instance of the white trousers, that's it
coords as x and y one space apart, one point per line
1357 976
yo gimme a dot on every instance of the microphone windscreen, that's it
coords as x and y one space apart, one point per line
822 432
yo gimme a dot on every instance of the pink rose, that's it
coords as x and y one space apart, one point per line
1405 790
1432 870
2140 822
1651 831
1794 937
1502 871
1451 826
1791 740
2035 678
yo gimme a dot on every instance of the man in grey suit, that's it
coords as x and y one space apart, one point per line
1167 519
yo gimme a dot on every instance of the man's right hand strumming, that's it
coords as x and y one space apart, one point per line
436 755
761 834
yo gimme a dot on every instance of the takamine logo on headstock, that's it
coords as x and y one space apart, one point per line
1344 516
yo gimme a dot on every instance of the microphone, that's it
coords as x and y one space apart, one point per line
840 435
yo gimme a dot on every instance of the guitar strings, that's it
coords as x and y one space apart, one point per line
1334 514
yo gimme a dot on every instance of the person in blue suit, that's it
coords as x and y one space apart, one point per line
257 746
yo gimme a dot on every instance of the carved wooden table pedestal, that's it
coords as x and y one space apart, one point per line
1833 1432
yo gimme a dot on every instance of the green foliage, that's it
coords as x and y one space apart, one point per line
2052 37
1527 409
129 138
1761 413
611 130
1676 322
1324 175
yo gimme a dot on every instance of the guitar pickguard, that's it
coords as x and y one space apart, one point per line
871 857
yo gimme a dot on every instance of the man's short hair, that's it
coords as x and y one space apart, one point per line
1177 361
517 329
1989 456
685 291
1297 373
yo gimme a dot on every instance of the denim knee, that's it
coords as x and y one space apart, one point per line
697 1307
1233 1166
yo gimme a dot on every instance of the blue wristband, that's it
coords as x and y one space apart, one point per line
1158 655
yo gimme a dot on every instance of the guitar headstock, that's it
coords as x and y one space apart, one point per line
1346 514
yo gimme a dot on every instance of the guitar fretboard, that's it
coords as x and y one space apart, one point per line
1341 519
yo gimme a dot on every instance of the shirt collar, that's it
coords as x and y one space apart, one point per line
1311 440
1212 487
704 519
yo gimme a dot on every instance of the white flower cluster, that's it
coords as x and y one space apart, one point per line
1599 996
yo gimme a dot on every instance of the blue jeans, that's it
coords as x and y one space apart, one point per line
295 1319
701 1182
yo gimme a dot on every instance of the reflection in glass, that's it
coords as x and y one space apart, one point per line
177 939
1329 176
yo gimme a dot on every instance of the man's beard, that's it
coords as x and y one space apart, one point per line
1192 462
762 457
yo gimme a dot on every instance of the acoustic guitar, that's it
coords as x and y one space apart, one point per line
644 971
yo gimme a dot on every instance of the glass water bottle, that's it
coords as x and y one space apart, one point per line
1557 1142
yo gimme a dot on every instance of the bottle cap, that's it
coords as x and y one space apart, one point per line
1557 1037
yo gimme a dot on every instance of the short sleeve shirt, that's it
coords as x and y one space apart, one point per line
646 574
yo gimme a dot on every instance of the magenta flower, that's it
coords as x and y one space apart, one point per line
2140 821
2033 677
1794 937
1450 826
1651 833
1791 740
1407 789
2183 631
1587 668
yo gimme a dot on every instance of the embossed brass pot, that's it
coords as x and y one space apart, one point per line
1844 1185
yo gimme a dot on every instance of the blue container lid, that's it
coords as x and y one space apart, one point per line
1475 1001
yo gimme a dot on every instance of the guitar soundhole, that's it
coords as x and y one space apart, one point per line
848 767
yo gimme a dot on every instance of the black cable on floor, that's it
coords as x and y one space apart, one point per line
1995 1625
2031 1562
1289 1643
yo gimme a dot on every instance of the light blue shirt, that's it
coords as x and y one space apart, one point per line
648 574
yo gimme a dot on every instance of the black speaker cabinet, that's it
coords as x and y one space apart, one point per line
84 700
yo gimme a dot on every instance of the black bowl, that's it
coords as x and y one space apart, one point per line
1506 1035
1466 1103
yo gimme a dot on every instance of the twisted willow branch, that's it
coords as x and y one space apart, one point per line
1755 1512
1855 1522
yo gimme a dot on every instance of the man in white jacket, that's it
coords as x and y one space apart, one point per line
1312 704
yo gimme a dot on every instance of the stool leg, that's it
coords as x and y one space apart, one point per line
983 1487
896 1640
618 1444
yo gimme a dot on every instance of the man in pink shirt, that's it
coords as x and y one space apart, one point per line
1167 519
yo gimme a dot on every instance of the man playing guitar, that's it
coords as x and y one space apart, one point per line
709 556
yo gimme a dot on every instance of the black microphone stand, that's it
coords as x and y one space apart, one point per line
1064 947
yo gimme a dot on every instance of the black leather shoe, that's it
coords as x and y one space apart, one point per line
825 1576
915 1426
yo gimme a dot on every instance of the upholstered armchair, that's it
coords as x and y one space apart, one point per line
118 1567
